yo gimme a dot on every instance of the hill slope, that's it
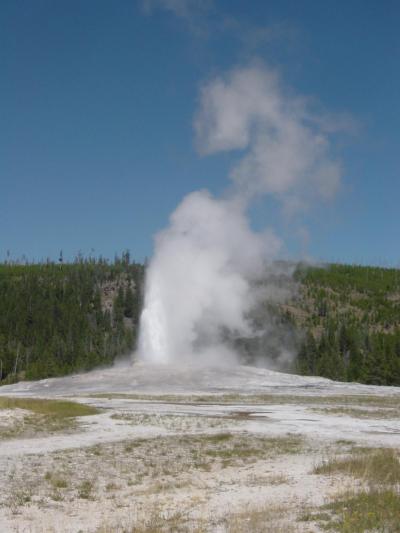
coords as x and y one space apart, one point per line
350 316
341 322
60 318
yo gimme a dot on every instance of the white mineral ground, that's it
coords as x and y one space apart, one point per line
163 402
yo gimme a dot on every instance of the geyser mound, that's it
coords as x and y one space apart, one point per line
187 379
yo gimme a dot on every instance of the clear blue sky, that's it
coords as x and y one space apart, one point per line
97 100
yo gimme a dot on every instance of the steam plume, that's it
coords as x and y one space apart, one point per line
200 280
286 148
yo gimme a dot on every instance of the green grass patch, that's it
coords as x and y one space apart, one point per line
230 448
259 399
85 489
59 408
43 417
262 519
376 467
372 510
219 437
56 479
388 413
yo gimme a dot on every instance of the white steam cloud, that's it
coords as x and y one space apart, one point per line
287 151
200 282
199 279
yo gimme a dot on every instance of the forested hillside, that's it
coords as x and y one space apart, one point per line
349 317
60 318
342 321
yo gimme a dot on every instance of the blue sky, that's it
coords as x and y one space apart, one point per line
97 100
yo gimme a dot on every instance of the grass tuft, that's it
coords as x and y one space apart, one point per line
372 510
42 416
85 489
376 467
390 401
59 408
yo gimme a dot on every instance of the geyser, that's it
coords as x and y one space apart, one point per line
200 281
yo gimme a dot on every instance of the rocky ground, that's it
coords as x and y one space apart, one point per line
193 449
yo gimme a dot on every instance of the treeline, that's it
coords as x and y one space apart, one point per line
58 318
348 318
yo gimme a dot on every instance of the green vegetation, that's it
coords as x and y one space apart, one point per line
233 449
58 408
360 413
57 480
61 318
41 417
85 489
374 505
262 519
358 512
380 466
370 510
347 402
348 318
343 322
156 520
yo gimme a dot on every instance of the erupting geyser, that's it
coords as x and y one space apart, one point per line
199 283
153 343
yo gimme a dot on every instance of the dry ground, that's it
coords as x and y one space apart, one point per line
214 461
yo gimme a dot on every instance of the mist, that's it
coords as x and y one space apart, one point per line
205 275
